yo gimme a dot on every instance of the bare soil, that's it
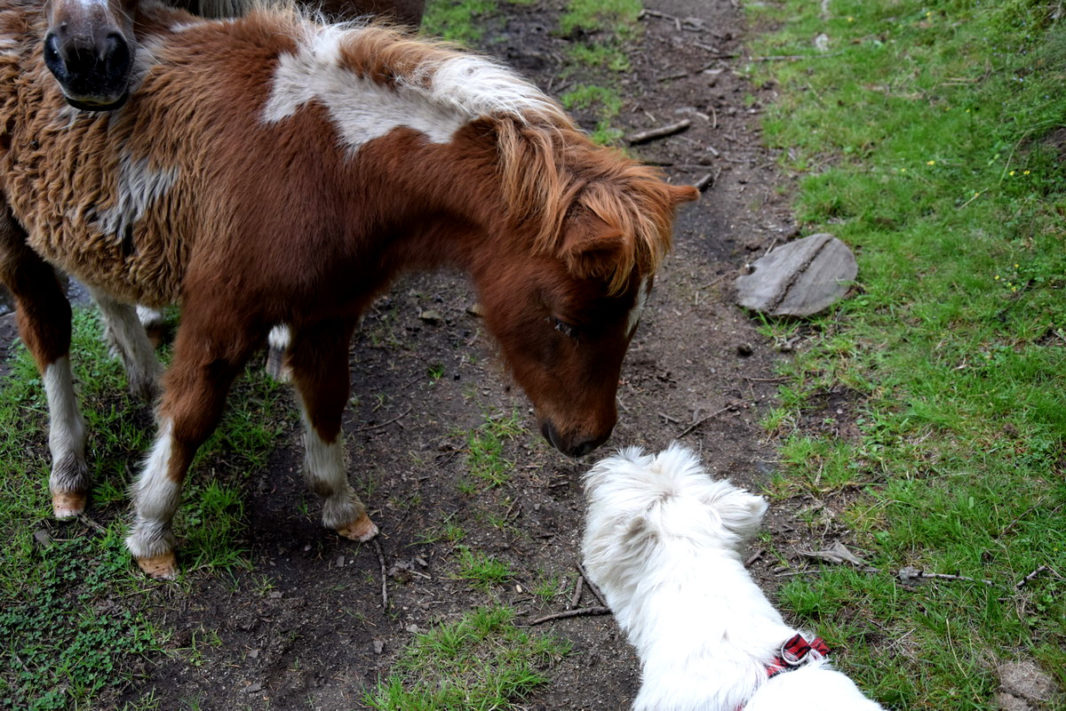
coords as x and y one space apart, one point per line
305 627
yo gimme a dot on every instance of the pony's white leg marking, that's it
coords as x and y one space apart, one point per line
149 317
327 476
277 343
155 499
129 341
69 480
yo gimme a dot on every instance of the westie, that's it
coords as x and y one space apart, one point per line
664 541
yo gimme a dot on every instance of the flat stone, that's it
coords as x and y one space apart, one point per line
800 278
1026 680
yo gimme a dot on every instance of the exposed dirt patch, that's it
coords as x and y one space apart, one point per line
305 628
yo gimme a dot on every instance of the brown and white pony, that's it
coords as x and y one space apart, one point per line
90 46
273 170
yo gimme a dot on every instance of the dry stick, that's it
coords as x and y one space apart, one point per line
946 576
581 612
579 587
84 518
654 133
704 182
384 575
1030 576
399 417
699 422
592 586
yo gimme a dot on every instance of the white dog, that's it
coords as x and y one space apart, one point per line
663 542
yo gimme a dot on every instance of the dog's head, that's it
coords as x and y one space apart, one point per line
637 501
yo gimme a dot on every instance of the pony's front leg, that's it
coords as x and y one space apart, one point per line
43 315
318 361
129 340
206 360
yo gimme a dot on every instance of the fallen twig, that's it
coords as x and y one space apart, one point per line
909 573
580 612
660 132
84 518
384 575
704 182
1021 583
378 426
591 586
579 587
700 421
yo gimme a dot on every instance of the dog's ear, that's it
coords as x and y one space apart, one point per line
741 512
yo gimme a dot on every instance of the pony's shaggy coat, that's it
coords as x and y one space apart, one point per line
274 170
663 541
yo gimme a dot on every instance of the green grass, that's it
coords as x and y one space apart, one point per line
485 449
70 625
480 661
930 138
460 22
481 570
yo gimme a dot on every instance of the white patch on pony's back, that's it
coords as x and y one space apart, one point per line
436 99
139 187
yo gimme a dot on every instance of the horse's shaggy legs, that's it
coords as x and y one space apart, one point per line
43 315
208 354
129 340
318 361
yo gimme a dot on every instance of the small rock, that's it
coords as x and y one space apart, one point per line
744 350
1006 702
253 654
379 646
821 42
252 688
800 278
1026 680
340 561
431 316
42 537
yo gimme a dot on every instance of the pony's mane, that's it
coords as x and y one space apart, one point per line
547 166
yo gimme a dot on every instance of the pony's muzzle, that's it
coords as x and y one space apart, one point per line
93 72
574 445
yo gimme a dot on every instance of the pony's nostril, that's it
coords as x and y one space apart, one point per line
116 52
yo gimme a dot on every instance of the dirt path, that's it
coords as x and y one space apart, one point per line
305 628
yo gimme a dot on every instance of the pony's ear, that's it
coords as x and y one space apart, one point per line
591 247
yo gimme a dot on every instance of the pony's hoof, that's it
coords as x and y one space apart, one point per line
67 504
161 567
361 529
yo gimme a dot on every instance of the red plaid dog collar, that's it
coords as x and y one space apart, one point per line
796 652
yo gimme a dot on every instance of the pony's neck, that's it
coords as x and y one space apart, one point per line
444 199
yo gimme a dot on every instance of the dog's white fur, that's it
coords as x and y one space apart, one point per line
664 541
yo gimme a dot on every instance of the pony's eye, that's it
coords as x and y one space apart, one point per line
563 327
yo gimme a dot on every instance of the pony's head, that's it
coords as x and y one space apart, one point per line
89 47
564 314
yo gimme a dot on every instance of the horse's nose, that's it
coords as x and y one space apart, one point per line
116 56
93 69
574 445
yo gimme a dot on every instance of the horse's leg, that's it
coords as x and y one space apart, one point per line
129 340
209 351
318 360
43 315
